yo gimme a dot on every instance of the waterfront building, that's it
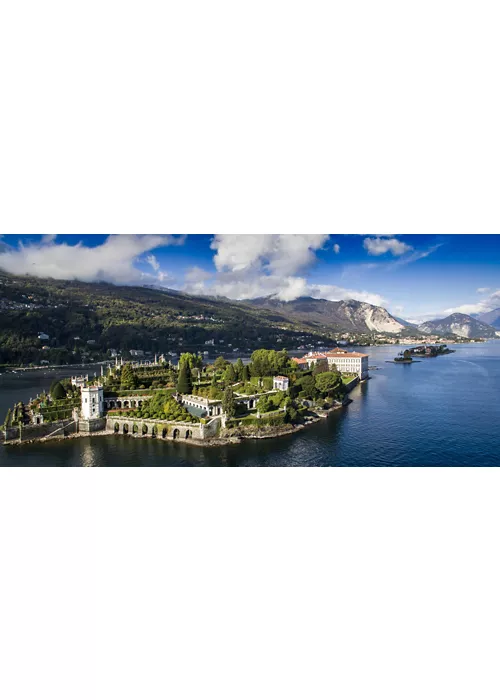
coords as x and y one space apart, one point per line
344 361
349 362
92 402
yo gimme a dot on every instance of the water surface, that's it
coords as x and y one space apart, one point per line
443 411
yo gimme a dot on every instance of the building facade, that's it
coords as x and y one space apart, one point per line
344 361
349 362
281 383
92 402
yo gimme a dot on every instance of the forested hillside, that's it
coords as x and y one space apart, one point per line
84 321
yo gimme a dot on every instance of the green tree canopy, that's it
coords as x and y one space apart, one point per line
128 379
194 361
184 382
229 374
238 368
328 382
57 392
220 363
228 403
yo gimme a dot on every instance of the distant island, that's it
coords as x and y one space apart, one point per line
406 357
191 401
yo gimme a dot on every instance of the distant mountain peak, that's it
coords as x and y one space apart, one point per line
459 324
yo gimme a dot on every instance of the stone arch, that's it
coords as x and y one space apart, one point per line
164 432
118 404
125 429
126 404
176 434
135 429
144 429
139 403
117 427
189 434
154 431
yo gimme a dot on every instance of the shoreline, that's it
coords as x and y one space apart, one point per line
210 442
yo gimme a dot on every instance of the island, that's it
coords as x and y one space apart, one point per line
202 404
404 358
430 350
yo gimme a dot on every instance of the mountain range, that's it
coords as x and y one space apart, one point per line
492 318
462 325
76 314
348 315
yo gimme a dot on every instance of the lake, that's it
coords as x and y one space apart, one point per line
442 411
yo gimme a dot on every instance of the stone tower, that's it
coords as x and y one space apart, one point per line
92 402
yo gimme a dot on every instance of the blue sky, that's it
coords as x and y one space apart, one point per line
416 277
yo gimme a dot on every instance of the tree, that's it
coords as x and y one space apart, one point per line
58 392
229 374
128 378
220 363
265 404
194 361
228 403
245 375
328 382
307 385
238 368
261 366
184 383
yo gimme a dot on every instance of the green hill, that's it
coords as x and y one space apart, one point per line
86 321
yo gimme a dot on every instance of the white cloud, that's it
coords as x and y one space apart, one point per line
272 253
255 266
380 246
336 248
112 261
483 290
491 302
153 261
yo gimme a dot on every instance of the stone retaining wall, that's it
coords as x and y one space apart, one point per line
166 430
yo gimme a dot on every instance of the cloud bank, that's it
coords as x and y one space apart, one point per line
112 261
270 265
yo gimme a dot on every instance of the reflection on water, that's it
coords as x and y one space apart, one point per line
442 411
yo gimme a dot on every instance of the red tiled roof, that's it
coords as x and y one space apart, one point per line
340 353
280 377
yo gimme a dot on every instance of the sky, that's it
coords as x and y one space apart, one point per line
416 277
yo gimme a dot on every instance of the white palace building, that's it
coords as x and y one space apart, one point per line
349 362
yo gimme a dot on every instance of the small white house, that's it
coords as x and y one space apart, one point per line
43 336
281 383
92 402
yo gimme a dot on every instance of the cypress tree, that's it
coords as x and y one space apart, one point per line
184 383
238 368
245 375
228 403
229 374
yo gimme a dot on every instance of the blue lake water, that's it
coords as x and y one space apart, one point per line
442 411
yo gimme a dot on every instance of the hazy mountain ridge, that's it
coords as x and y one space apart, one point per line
492 318
462 325
348 315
